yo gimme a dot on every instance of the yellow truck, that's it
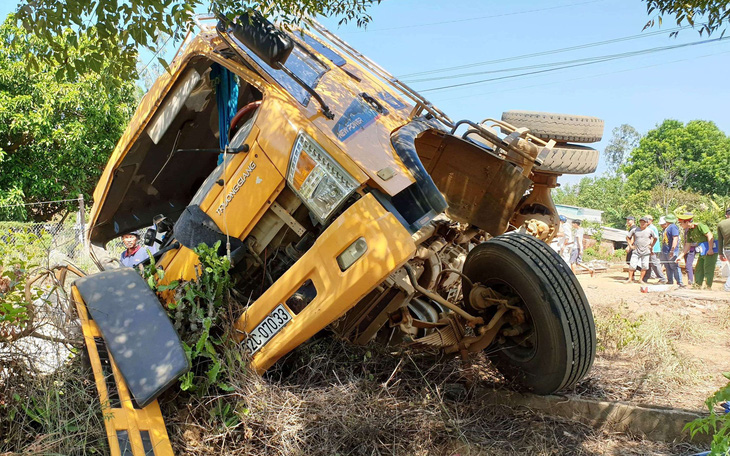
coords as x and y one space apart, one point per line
358 205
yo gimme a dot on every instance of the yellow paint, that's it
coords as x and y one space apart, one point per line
281 117
389 246
126 418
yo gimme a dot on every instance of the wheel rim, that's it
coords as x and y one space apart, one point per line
522 347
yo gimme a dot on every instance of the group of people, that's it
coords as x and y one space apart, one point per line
648 249
569 242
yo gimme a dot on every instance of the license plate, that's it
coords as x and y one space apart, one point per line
272 324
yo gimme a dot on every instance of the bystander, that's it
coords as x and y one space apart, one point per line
697 233
670 249
134 252
655 264
641 241
576 254
723 242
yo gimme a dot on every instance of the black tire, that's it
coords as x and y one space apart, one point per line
570 159
562 339
560 127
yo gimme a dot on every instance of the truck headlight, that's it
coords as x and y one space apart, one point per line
317 178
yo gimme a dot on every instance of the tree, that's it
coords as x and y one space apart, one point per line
124 26
706 15
605 193
625 139
55 137
694 156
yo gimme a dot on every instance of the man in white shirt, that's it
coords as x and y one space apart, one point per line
576 253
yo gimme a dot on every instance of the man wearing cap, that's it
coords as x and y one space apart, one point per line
670 249
134 253
641 241
558 241
656 248
696 232
723 241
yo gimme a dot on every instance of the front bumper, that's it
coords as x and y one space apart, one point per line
389 247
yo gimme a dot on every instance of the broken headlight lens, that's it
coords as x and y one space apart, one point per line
317 178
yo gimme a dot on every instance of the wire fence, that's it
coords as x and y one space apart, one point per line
47 243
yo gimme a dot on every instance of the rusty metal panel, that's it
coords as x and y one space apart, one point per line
481 188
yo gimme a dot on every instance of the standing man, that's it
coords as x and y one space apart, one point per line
558 241
670 249
630 227
641 242
576 254
134 253
654 263
723 241
699 233
568 243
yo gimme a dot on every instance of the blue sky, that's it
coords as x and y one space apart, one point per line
413 36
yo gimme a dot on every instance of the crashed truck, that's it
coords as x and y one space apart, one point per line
379 218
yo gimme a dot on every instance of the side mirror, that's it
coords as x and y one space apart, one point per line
149 236
261 36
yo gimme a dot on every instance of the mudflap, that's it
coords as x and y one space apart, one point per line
132 430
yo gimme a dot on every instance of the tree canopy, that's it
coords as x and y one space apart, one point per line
707 16
122 26
675 167
695 156
625 138
55 137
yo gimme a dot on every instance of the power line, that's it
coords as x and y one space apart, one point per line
476 18
156 54
472 95
463 84
543 53
594 59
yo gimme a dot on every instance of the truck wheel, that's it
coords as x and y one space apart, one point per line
560 127
558 344
570 159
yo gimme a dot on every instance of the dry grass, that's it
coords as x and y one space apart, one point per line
641 357
326 398
722 317
56 413
330 398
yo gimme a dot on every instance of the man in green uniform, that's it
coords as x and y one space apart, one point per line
699 233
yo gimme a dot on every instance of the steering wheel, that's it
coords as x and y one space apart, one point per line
240 115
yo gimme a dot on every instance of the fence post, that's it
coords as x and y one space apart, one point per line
81 220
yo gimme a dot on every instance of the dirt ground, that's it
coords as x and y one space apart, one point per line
661 348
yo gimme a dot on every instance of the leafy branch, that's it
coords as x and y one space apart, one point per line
716 424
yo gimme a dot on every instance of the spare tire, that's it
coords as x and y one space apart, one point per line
570 159
560 127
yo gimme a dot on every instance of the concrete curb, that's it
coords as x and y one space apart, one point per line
655 423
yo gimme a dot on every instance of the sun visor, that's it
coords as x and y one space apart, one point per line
172 105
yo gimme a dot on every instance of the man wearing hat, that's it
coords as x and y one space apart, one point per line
670 249
723 241
641 241
696 232
134 253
